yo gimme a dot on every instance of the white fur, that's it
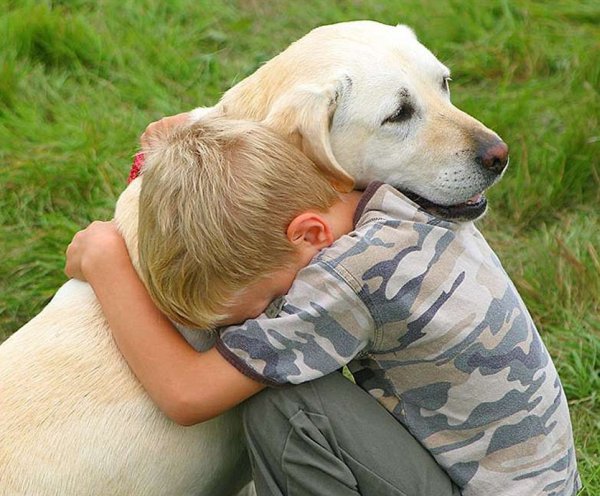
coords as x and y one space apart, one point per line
73 418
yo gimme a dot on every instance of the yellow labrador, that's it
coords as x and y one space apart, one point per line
365 101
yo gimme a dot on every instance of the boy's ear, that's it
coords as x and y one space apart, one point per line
310 230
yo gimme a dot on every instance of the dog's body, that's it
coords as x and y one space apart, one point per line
74 420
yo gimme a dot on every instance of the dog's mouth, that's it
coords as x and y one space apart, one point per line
473 208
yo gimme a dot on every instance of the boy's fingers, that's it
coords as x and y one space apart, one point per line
148 132
97 238
160 127
153 130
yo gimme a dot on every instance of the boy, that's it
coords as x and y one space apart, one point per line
440 338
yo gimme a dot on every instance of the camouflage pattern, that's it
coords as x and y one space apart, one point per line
430 325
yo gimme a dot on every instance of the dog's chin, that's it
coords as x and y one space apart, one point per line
472 209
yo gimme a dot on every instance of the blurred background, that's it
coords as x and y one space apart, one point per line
80 80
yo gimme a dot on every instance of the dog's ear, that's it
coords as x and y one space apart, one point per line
303 115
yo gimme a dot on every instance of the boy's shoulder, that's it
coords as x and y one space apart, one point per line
384 203
387 224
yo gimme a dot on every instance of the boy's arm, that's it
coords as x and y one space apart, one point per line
322 325
188 386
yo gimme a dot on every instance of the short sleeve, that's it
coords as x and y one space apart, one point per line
321 327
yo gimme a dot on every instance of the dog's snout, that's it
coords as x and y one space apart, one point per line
494 156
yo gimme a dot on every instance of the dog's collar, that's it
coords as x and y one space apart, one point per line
136 166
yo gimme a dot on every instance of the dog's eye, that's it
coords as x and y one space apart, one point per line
402 114
446 83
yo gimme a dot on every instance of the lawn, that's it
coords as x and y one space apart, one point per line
79 81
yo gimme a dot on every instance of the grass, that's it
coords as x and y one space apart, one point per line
79 81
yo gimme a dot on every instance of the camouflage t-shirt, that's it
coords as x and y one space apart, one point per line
431 325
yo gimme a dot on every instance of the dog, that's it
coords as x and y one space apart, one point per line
365 101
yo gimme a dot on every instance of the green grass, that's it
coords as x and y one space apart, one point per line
79 81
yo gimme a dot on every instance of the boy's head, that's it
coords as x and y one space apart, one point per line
216 209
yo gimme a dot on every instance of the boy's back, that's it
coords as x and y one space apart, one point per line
442 340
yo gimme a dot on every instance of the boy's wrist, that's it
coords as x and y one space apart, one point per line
105 261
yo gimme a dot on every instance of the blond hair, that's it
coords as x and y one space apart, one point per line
216 199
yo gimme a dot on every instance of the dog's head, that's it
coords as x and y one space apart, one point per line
367 101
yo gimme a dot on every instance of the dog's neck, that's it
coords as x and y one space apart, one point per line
126 219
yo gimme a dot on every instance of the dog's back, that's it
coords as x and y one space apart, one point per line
75 420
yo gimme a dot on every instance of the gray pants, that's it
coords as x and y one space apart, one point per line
330 438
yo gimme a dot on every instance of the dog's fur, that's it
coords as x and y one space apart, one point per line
365 101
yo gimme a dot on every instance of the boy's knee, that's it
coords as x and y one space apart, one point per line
272 407
260 411
254 408
266 420
266 405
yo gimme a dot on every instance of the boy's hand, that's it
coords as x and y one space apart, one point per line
161 127
93 250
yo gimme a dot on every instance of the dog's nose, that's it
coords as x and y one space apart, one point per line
494 157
